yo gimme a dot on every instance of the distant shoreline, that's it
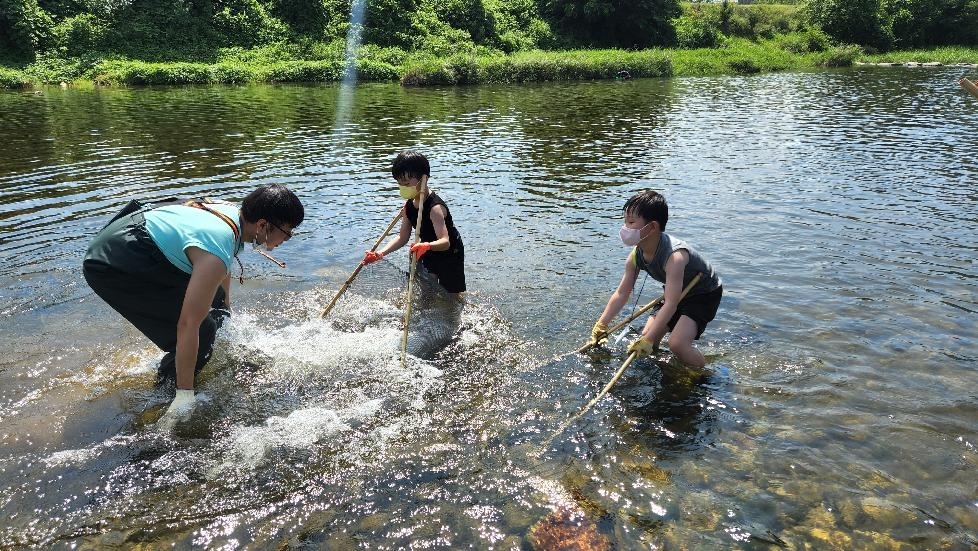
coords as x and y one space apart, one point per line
738 57
934 64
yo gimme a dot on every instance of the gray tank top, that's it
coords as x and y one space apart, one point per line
697 264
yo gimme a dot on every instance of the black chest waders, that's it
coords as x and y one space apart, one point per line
131 274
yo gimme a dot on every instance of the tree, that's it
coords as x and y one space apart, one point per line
853 21
920 23
25 28
613 23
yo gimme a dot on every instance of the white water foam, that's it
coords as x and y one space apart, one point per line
364 365
300 429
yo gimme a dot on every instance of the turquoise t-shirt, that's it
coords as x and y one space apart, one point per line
177 227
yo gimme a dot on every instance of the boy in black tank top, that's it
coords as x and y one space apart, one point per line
440 250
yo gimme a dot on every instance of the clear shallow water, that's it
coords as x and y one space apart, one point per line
839 410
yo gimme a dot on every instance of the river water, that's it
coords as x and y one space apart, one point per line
838 409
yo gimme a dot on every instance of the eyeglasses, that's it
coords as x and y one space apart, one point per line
288 234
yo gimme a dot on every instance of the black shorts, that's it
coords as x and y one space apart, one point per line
449 268
699 308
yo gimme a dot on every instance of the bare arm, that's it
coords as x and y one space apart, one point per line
619 298
403 235
441 230
209 272
658 324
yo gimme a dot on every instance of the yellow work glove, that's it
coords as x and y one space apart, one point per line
642 347
599 333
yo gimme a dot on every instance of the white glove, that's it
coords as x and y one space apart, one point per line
180 408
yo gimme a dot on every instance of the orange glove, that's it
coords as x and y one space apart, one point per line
418 249
371 257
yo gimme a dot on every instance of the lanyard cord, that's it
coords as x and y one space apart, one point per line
639 294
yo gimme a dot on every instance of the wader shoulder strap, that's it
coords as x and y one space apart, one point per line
202 204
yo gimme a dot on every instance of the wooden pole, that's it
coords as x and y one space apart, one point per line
970 86
414 267
614 379
360 266
590 344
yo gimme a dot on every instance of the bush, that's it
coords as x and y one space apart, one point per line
376 71
265 54
840 56
248 23
751 21
232 73
853 21
78 35
744 66
692 32
536 67
140 73
12 80
51 69
811 40
304 71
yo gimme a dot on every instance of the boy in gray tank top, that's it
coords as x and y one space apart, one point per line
673 263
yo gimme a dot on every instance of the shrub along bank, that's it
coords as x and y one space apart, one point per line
736 56
415 42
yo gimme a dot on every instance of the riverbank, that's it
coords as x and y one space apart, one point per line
284 64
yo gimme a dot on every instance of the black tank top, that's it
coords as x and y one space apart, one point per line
428 229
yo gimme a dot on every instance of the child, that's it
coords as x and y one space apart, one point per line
440 249
672 262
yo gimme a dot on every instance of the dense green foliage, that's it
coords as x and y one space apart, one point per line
887 24
449 41
604 23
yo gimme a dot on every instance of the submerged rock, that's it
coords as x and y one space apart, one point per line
567 530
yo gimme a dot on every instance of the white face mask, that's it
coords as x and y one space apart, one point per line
263 247
630 236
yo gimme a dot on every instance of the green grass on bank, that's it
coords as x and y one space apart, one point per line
735 56
948 55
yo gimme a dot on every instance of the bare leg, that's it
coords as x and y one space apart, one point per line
681 343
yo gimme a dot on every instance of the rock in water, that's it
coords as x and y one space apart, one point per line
567 530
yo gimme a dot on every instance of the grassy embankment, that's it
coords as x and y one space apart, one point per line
747 39
290 64
947 55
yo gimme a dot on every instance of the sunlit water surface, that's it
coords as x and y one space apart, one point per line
839 409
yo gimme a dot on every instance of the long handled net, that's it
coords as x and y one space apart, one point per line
377 298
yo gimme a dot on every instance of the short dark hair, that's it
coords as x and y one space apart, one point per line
275 203
411 163
650 205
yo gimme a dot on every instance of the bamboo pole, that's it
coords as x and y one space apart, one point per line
359 267
590 344
614 379
414 267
